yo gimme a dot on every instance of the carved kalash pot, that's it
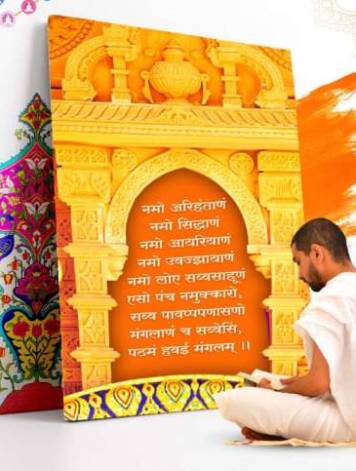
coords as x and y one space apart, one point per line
174 77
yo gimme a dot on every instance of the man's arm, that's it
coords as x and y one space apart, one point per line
316 382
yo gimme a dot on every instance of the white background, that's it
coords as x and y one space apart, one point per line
188 441
320 54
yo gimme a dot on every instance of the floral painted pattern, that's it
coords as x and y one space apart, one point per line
29 310
36 342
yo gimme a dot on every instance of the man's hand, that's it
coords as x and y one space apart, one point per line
314 383
265 383
288 380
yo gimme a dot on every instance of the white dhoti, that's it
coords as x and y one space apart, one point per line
285 415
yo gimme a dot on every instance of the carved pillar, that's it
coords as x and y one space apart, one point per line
84 183
225 56
281 193
121 47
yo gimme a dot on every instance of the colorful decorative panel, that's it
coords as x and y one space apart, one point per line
178 189
30 368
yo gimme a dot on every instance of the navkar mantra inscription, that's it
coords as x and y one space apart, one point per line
134 110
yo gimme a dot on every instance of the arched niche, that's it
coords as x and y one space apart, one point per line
190 159
249 322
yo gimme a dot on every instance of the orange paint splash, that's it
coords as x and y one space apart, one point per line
327 128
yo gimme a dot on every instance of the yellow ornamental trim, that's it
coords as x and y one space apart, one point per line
153 395
103 124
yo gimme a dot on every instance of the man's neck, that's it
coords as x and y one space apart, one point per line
339 268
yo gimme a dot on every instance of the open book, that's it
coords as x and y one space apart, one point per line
255 377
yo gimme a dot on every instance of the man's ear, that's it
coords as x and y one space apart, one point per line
317 253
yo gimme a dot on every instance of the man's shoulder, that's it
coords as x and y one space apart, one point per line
341 285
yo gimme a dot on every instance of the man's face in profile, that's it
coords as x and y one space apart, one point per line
307 270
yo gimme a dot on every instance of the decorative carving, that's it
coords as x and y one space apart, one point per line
110 115
90 276
286 348
179 115
95 375
272 93
78 89
74 185
283 332
69 344
279 56
68 289
76 84
95 364
175 77
166 162
279 161
115 261
284 278
226 57
88 224
68 267
64 34
63 224
86 303
71 369
241 163
123 161
94 328
122 45
304 291
261 262
72 375
69 317
174 126
113 257
71 387
280 190
284 223
69 155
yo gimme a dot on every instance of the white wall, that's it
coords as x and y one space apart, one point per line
320 54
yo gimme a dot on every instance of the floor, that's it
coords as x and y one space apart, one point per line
191 441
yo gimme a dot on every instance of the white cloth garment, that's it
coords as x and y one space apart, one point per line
330 321
284 415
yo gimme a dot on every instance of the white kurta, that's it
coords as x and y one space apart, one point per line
330 321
